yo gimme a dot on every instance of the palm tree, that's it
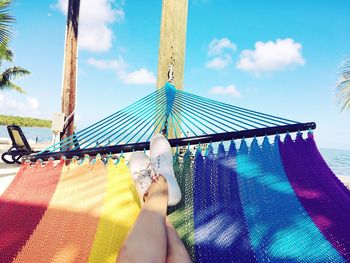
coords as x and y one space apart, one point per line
11 73
6 54
343 87
5 25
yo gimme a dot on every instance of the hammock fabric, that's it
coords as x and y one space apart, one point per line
271 203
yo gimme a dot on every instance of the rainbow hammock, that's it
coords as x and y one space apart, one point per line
270 202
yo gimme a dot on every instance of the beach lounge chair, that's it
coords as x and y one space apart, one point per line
20 146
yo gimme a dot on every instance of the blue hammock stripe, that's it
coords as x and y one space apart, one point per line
280 228
246 210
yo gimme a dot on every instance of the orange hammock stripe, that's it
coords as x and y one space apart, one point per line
67 230
24 203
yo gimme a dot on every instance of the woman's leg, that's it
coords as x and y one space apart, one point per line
147 240
152 239
176 250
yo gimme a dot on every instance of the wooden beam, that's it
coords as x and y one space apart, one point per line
172 41
172 48
70 66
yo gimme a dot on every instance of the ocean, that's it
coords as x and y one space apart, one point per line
338 160
41 134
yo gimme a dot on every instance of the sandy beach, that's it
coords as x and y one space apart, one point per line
345 180
8 171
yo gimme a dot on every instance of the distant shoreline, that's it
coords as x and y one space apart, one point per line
25 121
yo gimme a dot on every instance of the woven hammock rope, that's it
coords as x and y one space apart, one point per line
275 202
179 115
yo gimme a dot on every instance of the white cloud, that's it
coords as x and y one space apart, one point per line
271 56
220 50
218 46
27 107
118 64
230 90
141 76
219 62
95 18
33 103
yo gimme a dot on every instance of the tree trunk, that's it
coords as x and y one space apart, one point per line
70 67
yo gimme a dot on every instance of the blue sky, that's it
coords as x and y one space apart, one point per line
278 57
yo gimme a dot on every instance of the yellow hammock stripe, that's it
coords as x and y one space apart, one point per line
119 212
67 229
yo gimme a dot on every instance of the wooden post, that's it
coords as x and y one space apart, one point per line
172 41
70 66
172 46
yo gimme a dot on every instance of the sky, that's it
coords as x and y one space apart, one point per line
278 57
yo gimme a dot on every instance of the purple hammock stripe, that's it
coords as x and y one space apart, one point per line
324 197
220 232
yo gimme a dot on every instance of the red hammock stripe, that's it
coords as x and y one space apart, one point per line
22 206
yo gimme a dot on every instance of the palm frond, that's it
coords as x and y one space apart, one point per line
6 20
12 73
343 86
15 72
15 87
345 68
8 55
